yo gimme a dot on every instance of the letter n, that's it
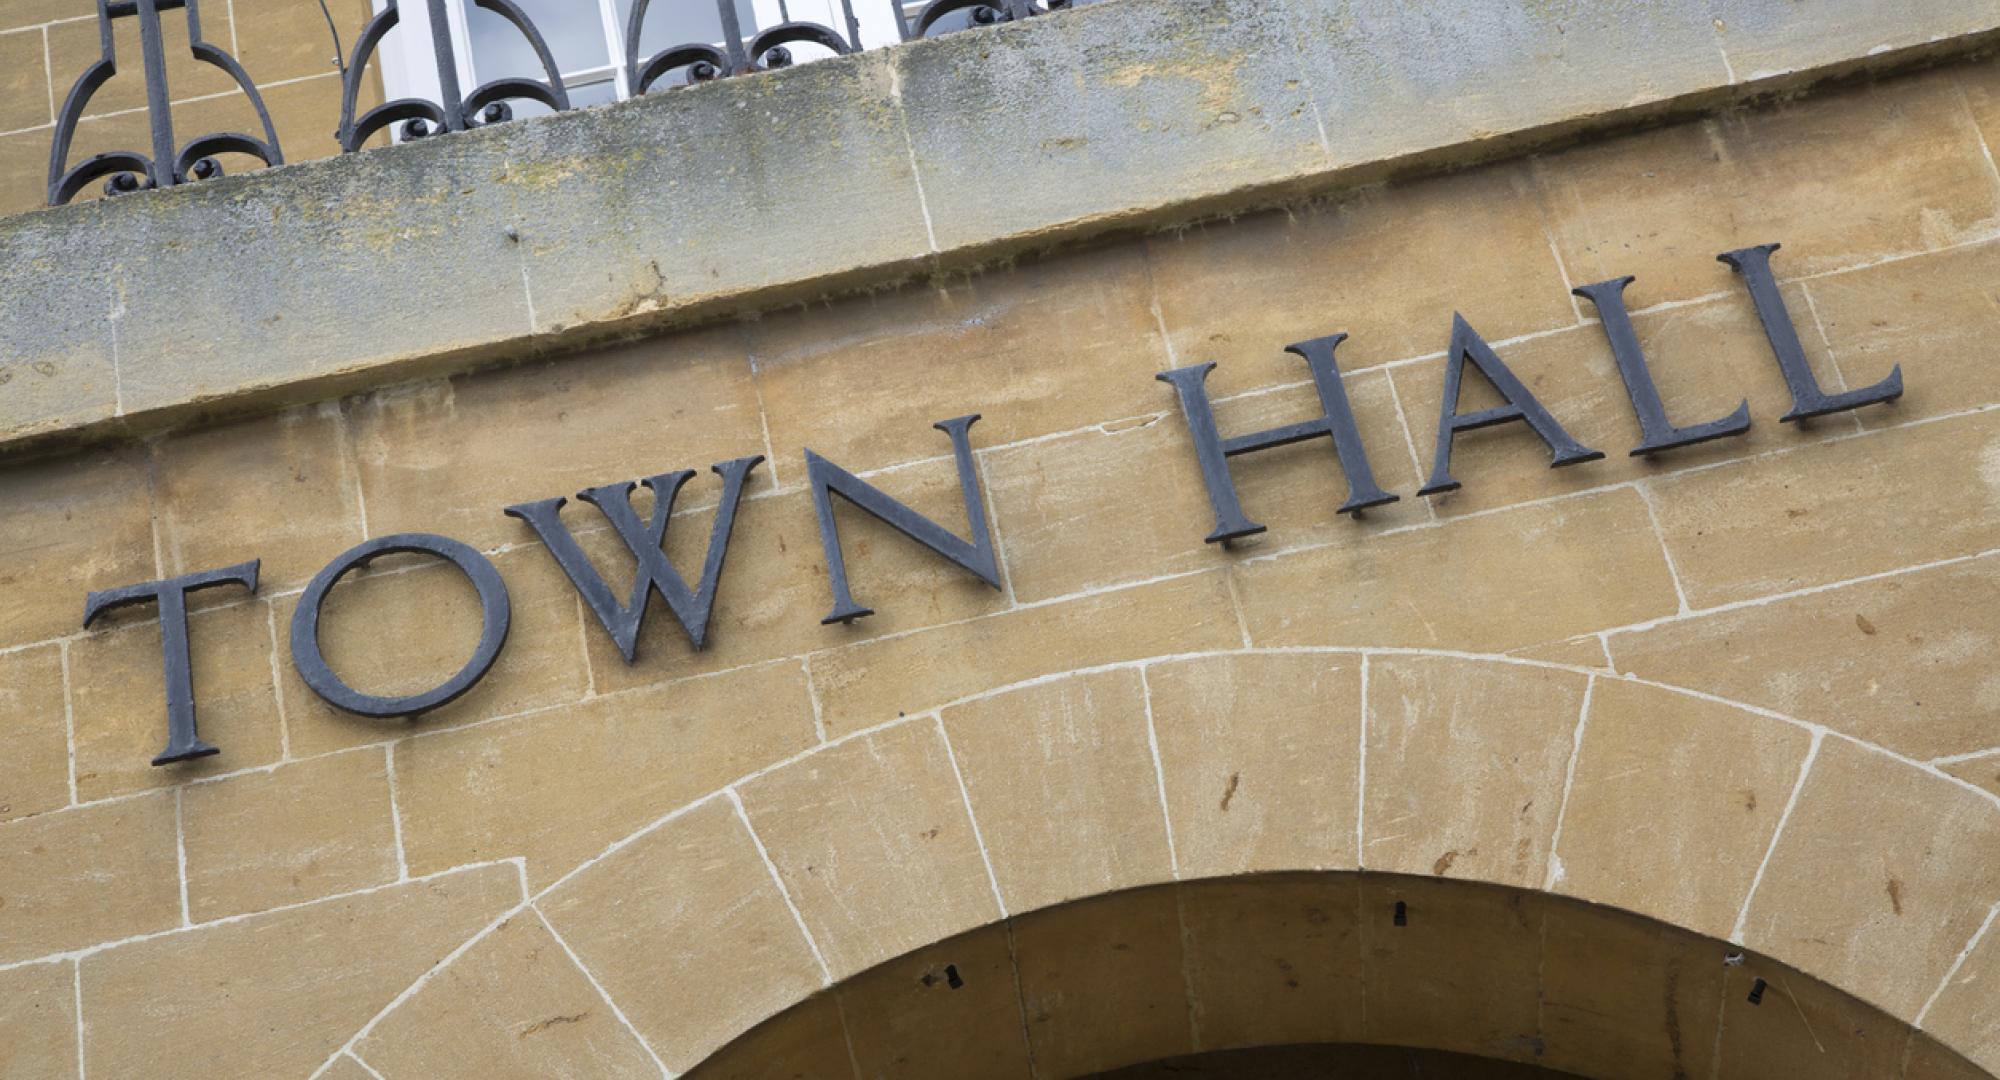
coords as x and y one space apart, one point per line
976 555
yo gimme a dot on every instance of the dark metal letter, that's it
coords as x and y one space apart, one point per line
1466 344
183 744
1660 433
691 607
1336 421
495 613
1808 400
827 480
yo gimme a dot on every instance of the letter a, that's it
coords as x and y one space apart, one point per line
1466 344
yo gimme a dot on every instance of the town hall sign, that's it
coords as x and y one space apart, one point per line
691 607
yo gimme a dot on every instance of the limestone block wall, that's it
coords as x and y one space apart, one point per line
1746 690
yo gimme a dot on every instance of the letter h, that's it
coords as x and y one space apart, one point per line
1214 451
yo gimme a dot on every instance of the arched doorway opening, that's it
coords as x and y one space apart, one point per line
1333 974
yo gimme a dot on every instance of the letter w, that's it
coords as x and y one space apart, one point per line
691 607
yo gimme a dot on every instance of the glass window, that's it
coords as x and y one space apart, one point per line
587 40
678 22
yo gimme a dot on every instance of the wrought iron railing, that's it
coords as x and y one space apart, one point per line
171 162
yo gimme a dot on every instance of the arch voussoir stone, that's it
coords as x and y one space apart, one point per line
1210 850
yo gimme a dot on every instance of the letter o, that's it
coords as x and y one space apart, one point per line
495 613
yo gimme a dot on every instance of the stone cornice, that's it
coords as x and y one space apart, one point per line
128 317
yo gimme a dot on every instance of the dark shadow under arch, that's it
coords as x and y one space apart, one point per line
1147 978
1346 1061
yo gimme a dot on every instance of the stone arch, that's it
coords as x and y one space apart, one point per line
1493 973
1856 883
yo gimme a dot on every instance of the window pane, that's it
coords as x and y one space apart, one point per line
597 93
573 28
684 22
581 94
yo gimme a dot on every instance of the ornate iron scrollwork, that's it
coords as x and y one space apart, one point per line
703 61
932 19
485 105
170 163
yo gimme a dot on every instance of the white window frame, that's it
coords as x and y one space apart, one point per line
409 70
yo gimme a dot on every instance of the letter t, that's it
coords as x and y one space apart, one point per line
171 596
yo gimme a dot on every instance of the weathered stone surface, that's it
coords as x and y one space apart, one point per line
1259 758
513 1005
1463 76
1142 107
1657 1018
1273 963
73 525
1465 766
1456 586
279 40
35 726
1982 771
582 225
1126 502
1831 513
1928 1059
1761 37
907 1019
1673 803
820 149
1462 953
308 274
53 868
1802 1022
60 369
1387 266
299 832
1931 316
203 990
1966 1014
408 623
118 698
1879 879
1102 983
38 1021
280 489
867 684
873 843
862 382
1873 660
1840 178
24 101
347 1067
558 787
1584 652
806 1042
656 918
449 456
1061 780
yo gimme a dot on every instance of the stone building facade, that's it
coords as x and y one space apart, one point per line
1678 764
